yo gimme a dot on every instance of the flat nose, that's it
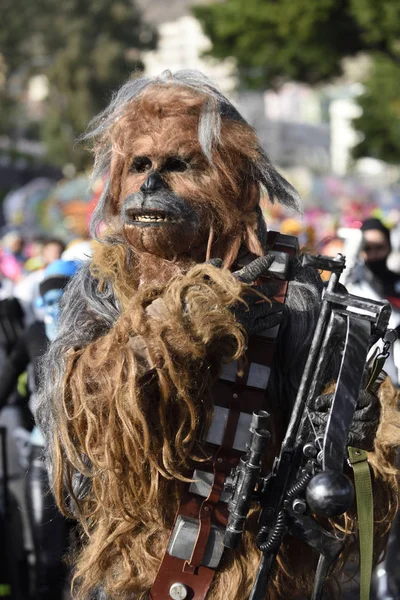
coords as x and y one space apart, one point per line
153 182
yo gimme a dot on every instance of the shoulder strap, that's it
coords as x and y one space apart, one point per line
195 545
365 511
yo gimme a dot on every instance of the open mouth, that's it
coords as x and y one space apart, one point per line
149 218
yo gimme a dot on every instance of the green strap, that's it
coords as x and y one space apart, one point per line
5 590
365 510
376 369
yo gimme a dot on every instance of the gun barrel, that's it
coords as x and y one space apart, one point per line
247 478
259 420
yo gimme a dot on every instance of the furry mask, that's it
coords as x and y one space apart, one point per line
185 171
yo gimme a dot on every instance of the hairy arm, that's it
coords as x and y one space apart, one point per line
129 391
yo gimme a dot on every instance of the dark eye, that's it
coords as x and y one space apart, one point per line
174 163
141 164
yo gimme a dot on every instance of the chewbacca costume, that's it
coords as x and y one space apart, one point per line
147 326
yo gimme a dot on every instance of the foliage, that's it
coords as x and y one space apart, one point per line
306 40
86 50
16 30
380 120
275 39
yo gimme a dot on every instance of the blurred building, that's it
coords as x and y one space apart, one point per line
182 43
342 110
290 125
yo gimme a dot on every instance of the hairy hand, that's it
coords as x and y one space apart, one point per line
257 268
256 313
365 420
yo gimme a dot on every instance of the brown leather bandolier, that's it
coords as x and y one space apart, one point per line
195 545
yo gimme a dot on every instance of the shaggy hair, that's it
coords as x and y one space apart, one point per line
127 384
185 112
214 110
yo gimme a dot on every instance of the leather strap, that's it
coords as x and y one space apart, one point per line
220 473
241 393
197 585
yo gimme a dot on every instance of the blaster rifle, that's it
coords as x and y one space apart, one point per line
307 478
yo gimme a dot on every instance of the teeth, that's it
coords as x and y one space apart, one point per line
152 218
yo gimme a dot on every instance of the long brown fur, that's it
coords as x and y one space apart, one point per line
123 409
137 401
138 427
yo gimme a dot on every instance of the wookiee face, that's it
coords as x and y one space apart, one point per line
170 197
161 208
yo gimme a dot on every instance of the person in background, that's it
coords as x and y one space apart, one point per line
27 289
49 528
371 278
52 250
331 246
33 251
394 258
11 256
375 249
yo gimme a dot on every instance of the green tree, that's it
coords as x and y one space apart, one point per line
380 119
306 40
15 40
86 50
16 30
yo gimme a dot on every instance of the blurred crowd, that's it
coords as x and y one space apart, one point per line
33 274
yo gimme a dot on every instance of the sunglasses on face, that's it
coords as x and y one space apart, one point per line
374 248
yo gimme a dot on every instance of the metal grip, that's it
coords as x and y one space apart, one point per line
246 478
326 263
